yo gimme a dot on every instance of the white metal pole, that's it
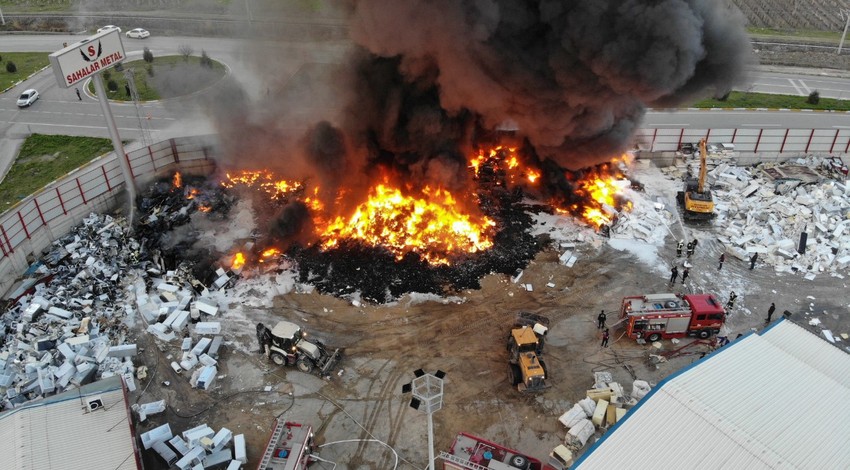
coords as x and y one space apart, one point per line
431 442
2 20
844 34
129 181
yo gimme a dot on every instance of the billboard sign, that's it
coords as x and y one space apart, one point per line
87 57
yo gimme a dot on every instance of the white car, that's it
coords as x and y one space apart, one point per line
138 33
108 27
27 98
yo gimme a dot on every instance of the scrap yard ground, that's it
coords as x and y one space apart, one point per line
466 336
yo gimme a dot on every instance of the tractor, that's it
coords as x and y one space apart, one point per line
287 346
526 370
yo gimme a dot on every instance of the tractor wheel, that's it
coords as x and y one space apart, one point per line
653 337
514 375
304 365
518 461
278 359
703 334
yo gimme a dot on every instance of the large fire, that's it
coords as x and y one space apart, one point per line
431 224
430 221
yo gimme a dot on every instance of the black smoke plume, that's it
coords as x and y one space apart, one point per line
574 76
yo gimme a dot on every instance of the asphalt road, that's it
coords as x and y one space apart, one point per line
59 112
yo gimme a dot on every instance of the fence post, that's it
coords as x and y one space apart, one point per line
61 202
784 139
681 134
707 133
24 225
833 141
174 151
651 146
80 187
810 140
758 140
734 133
6 237
38 208
108 186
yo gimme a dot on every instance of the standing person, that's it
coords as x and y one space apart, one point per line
722 259
674 274
690 249
264 337
685 274
695 243
78 94
679 247
753 260
770 312
731 302
600 320
605 335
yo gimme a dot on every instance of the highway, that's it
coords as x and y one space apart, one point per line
58 111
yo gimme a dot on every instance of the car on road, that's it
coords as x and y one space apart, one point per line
138 33
108 27
27 98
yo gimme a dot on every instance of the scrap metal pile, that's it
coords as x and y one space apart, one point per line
70 320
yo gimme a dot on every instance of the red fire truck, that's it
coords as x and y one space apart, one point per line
469 452
656 316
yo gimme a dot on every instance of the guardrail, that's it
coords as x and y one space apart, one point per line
765 140
34 223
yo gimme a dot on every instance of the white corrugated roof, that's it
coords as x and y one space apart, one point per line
60 433
774 400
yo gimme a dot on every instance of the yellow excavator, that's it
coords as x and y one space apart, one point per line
696 199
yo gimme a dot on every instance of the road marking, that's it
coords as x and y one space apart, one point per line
71 125
759 125
841 127
803 84
796 87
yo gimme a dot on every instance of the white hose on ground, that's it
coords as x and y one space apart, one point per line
395 465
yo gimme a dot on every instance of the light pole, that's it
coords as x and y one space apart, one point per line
846 15
427 390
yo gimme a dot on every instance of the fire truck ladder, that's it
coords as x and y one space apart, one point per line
461 461
267 456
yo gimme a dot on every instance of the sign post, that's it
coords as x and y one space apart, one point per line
87 59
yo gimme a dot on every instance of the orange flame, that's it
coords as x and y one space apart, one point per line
432 225
238 261
177 180
265 180
270 252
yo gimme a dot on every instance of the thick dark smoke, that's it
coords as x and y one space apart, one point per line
575 76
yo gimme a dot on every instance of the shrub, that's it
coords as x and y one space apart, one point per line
814 98
112 85
147 55
150 70
205 60
119 67
185 50
11 67
107 75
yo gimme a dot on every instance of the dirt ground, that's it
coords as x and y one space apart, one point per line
351 411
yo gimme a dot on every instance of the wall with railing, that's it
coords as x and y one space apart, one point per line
34 223
765 140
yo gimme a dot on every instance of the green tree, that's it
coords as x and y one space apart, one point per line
205 60
11 67
147 55
112 85
814 98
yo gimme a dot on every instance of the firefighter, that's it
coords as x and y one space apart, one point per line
731 302
770 312
679 247
685 273
691 246
722 259
600 320
264 338
605 336
674 274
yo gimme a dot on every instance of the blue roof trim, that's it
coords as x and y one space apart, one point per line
773 324
650 394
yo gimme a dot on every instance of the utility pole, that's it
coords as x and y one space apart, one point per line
2 20
846 15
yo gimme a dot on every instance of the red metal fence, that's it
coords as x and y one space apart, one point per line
765 140
100 178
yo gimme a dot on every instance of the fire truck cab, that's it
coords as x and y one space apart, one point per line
661 316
